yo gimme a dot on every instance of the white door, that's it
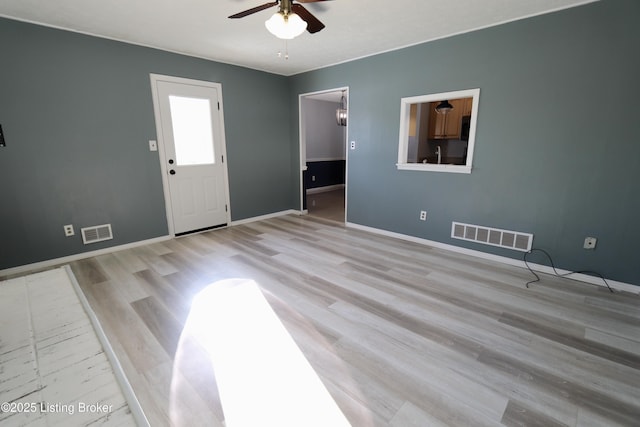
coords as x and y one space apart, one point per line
190 130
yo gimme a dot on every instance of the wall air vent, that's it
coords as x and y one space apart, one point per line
492 236
96 233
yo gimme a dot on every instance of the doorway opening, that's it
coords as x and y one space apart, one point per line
323 154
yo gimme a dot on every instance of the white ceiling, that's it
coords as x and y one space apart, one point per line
354 28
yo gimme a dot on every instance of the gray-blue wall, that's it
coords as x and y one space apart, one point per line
77 115
557 147
557 151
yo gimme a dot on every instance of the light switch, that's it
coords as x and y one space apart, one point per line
153 145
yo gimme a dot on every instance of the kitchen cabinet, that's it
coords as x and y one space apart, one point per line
445 126
467 104
448 126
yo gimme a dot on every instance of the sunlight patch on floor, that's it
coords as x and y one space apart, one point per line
262 376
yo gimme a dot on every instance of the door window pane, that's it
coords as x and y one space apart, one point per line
191 121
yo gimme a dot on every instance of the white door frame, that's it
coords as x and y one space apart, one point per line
303 145
155 78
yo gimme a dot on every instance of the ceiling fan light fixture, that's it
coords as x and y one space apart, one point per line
286 26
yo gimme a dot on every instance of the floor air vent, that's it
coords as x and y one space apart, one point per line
492 236
97 233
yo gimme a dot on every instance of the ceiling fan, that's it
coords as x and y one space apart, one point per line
289 21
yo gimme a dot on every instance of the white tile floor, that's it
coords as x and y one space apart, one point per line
53 368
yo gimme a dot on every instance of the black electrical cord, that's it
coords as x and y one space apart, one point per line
537 279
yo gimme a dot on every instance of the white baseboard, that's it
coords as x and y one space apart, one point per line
267 216
621 286
324 189
64 260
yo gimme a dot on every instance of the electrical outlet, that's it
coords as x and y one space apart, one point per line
353 145
153 145
68 230
313 178
590 242
423 215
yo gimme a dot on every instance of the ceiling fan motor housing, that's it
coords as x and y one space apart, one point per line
286 8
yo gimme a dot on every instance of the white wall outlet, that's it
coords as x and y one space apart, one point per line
353 145
68 230
423 215
590 242
153 145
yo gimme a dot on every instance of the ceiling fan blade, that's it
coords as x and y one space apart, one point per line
313 24
254 10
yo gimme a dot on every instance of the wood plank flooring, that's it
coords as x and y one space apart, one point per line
327 204
400 334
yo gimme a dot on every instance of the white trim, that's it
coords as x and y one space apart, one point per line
154 79
325 188
403 139
446 36
267 216
303 143
146 45
121 377
64 260
433 167
225 162
621 286
67 259
295 73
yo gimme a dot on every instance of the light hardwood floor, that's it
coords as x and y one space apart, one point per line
401 334
328 204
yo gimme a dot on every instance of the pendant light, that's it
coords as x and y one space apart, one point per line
444 107
341 112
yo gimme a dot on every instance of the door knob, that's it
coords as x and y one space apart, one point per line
172 172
